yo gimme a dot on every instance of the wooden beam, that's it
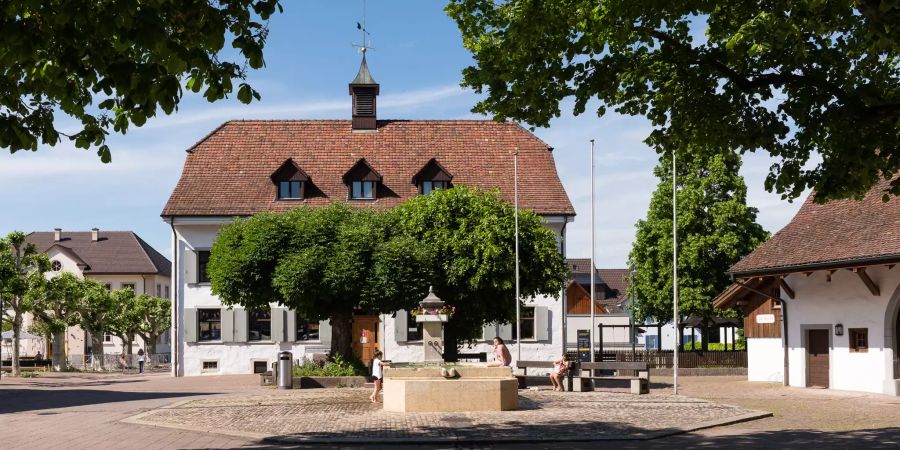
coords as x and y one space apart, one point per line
861 273
807 273
787 289
890 266
830 273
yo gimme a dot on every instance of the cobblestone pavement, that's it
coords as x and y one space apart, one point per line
79 411
346 415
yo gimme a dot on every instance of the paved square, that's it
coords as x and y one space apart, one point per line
346 415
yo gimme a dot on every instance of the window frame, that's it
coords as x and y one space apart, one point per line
54 264
133 286
253 316
523 319
301 190
411 324
444 185
200 321
202 266
214 365
299 320
362 183
853 335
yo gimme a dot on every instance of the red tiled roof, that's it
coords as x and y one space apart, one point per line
115 252
228 172
837 233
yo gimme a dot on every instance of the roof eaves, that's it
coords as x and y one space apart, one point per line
819 265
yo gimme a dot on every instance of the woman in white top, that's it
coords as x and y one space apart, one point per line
140 360
378 374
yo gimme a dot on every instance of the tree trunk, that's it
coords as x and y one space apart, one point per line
451 347
97 362
59 351
342 333
150 343
17 331
128 351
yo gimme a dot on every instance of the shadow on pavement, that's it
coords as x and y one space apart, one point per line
792 439
20 400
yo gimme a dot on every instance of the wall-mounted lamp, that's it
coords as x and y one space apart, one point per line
839 330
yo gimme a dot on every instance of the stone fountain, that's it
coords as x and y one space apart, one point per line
435 388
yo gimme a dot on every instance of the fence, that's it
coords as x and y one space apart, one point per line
664 358
112 362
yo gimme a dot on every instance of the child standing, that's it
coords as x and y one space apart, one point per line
378 373
141 360
560 368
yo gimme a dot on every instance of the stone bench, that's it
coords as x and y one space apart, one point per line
525 365
640 383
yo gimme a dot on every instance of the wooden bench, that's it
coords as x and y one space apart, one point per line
640 382
525 365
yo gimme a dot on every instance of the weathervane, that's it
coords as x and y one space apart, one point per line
364 33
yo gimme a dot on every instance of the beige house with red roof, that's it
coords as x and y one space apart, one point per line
118 259
246 167
821 297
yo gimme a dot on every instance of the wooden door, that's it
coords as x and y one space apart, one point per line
817 358
365 337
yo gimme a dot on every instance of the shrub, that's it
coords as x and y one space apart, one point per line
337 366
714 346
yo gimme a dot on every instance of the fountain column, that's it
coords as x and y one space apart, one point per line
432 321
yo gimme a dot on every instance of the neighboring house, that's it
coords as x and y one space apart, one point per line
246 167
611 311
610 305
118 259
821 297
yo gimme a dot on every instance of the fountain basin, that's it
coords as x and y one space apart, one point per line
424 390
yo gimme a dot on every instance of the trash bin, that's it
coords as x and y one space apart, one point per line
285 374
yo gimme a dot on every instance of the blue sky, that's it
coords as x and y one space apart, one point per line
309 61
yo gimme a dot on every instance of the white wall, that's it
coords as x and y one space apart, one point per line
765 360
200 233
847 301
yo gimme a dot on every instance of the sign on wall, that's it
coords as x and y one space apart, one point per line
765 318
584 345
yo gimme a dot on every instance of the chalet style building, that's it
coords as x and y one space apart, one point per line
247 167
118 260
821 297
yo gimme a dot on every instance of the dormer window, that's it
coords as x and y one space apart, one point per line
363 190
429 186
362 181
431 177
290 181
290 190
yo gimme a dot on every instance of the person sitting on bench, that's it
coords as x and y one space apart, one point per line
560 369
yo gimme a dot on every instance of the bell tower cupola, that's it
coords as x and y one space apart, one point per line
364 90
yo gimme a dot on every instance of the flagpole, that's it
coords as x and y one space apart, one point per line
518 312
675 274
593 266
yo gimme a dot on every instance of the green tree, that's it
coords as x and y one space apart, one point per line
469 237
55 306
20 262
322 262
112 64
793 77
127 318
155 319
715 229
95 314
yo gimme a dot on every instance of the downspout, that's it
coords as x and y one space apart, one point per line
175 345
564 297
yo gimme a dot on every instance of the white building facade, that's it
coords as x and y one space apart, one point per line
821 298
247 167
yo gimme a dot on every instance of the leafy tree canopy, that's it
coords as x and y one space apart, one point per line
111 64
325 262
470 239
322 262
715 229
792 77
